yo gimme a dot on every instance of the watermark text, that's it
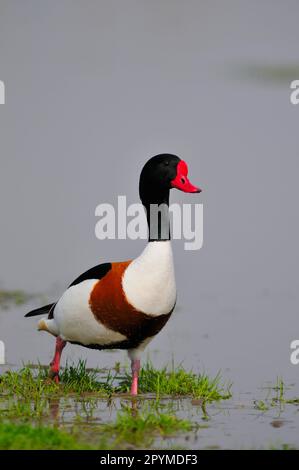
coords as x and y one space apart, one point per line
294 357
2 353
130 221
2 92
294 96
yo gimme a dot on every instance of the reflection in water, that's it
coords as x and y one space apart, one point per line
270 417
54 404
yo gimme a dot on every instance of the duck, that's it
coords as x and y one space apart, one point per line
124 305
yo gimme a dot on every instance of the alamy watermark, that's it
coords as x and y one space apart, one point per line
2 92
294 357
130 221
2 353
294 96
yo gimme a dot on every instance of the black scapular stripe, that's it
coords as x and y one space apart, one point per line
41 310
97 272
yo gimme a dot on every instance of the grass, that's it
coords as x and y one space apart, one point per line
27 383
77 379
30 403
261 405
140 428
282 447
14 297
131 428
275 397
28 437
270 73
28 394
178 382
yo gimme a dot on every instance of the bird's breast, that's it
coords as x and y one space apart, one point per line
149 281
111 307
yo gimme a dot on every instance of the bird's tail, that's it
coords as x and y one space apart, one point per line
40 311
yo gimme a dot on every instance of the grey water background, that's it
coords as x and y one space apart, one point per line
95 88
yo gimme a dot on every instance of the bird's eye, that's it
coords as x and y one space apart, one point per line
183 180
166 163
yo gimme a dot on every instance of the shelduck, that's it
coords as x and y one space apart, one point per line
123 305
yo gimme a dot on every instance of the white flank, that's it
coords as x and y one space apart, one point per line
75 321
149 281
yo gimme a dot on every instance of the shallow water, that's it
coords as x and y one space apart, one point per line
234 423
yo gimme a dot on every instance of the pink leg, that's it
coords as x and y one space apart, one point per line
55 364
135 366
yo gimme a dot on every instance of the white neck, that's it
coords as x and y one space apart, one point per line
149 281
